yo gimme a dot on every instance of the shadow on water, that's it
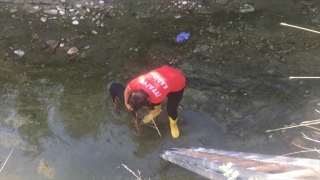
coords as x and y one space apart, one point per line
56 112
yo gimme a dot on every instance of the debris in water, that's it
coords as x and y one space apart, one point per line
72 50
182 37
50 46
75 22
94 32
44 19
19 52
13 10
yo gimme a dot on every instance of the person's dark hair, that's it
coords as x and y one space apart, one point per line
139 99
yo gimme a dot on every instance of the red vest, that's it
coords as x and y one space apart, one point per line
158 83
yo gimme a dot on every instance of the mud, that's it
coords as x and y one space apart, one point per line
56 107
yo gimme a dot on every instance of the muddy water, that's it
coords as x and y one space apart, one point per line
56 111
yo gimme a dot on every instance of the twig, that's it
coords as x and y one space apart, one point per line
302 147
317 150
306 137
299 152
312 121
292 77
139 178
154 125
285 24
72 57
6 160
300 125
313 128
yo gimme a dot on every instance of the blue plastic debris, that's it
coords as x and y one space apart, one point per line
182 37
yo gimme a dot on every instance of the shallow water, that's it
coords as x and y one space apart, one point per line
56 108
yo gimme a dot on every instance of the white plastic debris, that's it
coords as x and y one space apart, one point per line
184 2
19 52
75 22
101 2
78 6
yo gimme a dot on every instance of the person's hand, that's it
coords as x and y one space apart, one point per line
129 107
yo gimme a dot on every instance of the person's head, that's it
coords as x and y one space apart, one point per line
139 99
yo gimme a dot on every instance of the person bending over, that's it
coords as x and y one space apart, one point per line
149 89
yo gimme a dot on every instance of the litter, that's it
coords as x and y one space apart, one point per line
182 37
50 46
19 52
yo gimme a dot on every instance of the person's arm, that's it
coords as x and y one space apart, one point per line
127 93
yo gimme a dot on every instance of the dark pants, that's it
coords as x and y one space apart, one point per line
174 99
117 90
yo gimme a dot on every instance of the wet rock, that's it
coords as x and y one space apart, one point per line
13 10
62 13
94 32
246 8
75 22
44 169
72 50
44 19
